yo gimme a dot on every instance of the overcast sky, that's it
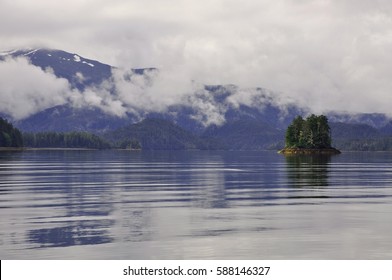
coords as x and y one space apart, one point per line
327 54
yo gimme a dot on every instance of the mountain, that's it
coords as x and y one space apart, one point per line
361 137
158 134
353 131
193 114
247 135
387 129
79 71
376 120
115 102
65 118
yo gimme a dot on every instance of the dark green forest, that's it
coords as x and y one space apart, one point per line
360 137
64 140
374 144
311 133
9 135
158 134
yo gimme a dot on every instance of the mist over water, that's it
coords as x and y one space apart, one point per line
194 205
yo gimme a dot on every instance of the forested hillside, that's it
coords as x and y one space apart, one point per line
205 117
9 135
156 134
64 140
246 135
361 137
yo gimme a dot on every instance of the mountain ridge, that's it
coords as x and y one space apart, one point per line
239 118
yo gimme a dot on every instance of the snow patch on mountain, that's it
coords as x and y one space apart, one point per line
31 52
89 64
7 53
76 58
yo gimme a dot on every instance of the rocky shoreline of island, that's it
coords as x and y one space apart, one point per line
309 151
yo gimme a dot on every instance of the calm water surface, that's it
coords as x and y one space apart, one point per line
194 205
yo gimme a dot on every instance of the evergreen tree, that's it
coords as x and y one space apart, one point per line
9 135
64 140
314 132
295 136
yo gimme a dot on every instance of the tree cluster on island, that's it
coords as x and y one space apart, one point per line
310 134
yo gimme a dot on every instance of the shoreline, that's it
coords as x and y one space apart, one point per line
309 151
60 149
24 149
12 149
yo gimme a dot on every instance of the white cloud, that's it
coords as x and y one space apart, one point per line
156 90
207 110
328 54
26 89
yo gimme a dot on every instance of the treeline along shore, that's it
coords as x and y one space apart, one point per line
312 135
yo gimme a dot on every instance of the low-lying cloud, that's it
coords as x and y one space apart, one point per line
326 55
156 91
26 89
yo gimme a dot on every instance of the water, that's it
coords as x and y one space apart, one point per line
194 205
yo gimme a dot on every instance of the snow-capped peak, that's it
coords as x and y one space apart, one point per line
76 58
24 52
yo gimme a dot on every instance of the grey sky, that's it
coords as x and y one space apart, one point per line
327 54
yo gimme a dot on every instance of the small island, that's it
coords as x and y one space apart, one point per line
309 137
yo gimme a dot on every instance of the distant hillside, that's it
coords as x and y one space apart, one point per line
157 134
206 117
360 137
376 120
353 131
387 129
65 118
247 135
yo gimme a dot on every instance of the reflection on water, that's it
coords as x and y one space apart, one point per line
82 233
194 205
308 170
